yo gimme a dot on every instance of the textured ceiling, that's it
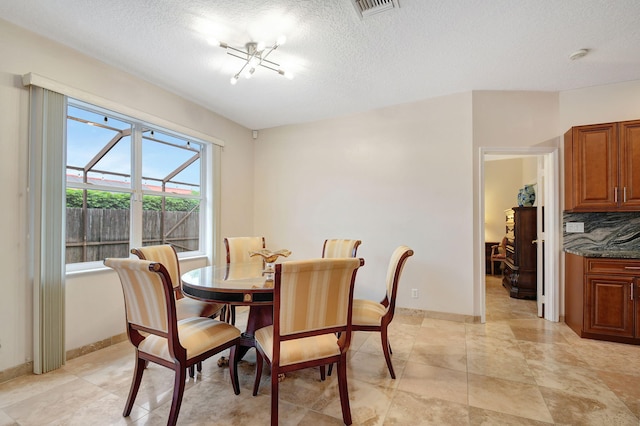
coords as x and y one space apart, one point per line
342 63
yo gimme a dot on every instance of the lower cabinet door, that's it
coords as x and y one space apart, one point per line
610 307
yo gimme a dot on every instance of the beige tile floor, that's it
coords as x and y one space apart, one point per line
514 370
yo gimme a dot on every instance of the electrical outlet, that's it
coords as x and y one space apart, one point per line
414 293
575 226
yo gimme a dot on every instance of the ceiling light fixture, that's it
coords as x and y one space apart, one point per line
255 55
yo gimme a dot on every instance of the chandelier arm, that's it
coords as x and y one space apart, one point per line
270 63
242 69
272 66
271 49
243 56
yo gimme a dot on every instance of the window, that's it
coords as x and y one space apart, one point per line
128 184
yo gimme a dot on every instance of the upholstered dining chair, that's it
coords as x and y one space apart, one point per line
337 248
334 248
376 316
157 334
185 306
312 303
498 254
238 249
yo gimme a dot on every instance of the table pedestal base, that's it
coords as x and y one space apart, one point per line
259 316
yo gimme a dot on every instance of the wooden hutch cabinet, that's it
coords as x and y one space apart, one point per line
602 167
602 300
520 266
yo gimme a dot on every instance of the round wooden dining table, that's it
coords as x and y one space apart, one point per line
237 284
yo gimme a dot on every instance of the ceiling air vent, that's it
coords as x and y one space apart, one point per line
370 7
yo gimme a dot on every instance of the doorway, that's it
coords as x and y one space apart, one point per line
547 181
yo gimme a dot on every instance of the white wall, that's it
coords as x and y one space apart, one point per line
392 176
93 301
401 175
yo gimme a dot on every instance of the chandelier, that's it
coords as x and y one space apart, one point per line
255 55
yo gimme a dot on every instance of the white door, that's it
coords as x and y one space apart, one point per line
540 239
548 237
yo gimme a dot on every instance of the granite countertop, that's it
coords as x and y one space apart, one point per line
604 252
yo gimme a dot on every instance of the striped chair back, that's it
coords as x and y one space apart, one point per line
312 295
336 248
147 293
165 254
238 249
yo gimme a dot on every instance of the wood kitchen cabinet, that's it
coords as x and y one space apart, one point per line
602 167
602 299
520 266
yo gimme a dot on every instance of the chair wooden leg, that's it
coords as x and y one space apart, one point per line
259 362
192 371
233 370
178 390
274 396
344 391
323 374
331 365
141 364
199 366
386 348
233 314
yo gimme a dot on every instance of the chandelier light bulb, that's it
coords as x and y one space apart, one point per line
281 40
234 80
260 46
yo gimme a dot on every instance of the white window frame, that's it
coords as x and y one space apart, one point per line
136 207
212 158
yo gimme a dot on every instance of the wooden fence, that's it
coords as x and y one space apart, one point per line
107 233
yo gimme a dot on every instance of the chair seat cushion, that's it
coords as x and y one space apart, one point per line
197 335
367 312
298 350
188 308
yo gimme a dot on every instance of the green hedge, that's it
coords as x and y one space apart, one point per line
121 201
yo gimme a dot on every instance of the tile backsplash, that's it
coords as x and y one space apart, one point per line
610 231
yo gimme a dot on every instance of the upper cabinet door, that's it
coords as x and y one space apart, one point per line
591 166
629 134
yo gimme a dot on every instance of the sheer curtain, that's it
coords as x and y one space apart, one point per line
46 226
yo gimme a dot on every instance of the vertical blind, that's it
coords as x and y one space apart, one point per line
46 226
